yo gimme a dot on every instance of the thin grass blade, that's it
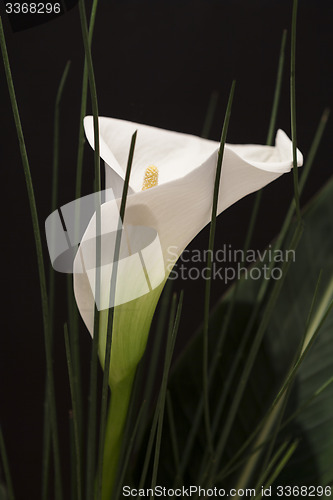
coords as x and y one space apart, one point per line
169 352
209 269
6 469
75 416
41 268
105 387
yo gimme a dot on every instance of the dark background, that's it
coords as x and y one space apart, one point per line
156 63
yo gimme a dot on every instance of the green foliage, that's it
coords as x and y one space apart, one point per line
288 332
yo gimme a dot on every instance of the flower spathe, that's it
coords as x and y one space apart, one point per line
180 205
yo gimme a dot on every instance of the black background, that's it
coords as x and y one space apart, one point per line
156 63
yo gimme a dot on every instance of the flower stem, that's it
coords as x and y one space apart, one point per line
120 398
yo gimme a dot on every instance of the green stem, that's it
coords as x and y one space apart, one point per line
120 398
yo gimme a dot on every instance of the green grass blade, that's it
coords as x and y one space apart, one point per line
210 115
173 434
107 358
75 416
72 453
92 414
209 268
153 427
87 37
91 428
173 330
47 435
84 93
6 469
263 477
93 92
56 133
281 465
156 413
293 107
314 299
129 449
41 268
54 197
154 360
277 93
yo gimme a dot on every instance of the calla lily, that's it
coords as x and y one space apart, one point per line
180 205
177 208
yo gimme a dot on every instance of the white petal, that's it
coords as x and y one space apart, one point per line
174 154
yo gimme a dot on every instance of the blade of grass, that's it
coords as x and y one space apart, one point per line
47 437
129 449
210 114
169 352
173 434
154 359
172 331
270 465
105 386
75 416
89 75
209 268
293 107
92 412
153 427
56 129
283 462
84 93
54 197
41 268
91 426
277 93
307 403
72 454
6 469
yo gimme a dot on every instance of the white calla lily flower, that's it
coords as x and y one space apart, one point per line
180 205
169 201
